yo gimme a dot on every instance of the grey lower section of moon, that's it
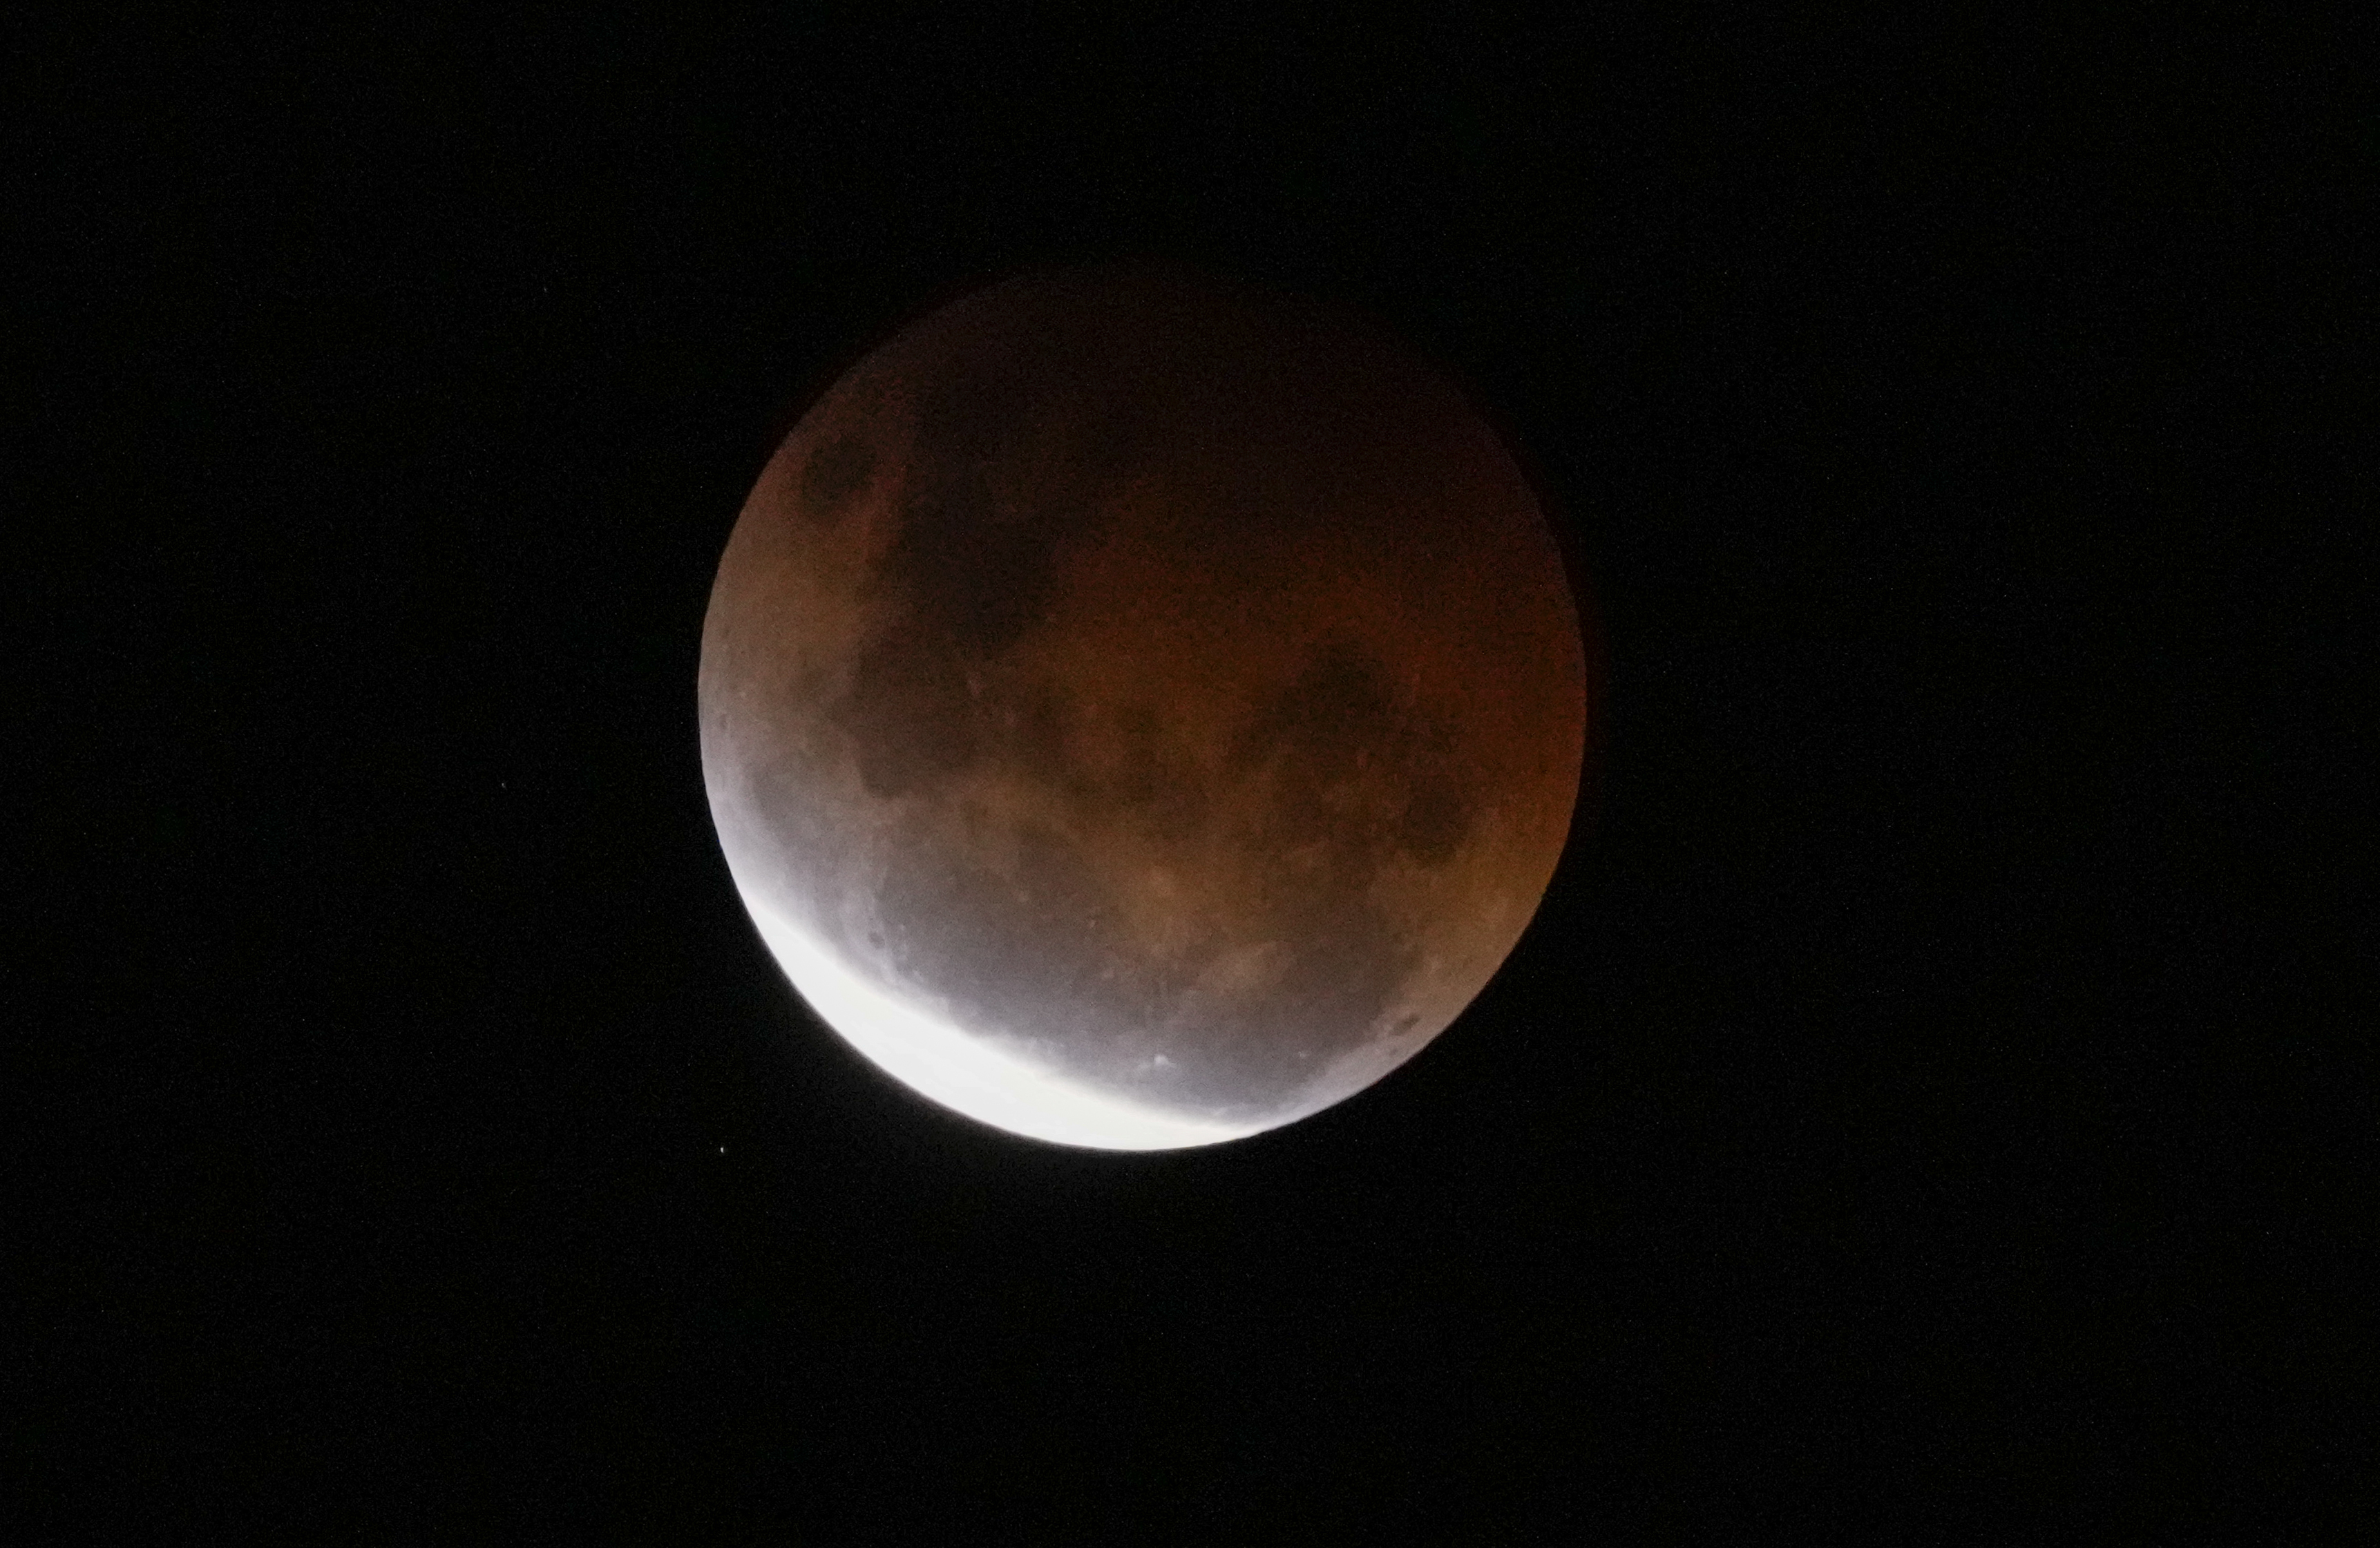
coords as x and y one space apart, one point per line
1166 704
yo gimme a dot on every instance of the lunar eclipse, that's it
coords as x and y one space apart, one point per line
1138 713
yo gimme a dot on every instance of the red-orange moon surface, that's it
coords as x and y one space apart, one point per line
1140 713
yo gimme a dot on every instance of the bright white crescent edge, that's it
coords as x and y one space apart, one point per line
940 1061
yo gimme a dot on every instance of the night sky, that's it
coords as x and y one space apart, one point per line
1861 1133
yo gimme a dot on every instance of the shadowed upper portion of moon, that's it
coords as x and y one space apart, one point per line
1172 690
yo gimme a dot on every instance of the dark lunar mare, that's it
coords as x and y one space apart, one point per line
969 571
837 471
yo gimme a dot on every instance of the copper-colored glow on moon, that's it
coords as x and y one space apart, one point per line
1138 714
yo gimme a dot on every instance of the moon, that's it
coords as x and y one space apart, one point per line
1140 713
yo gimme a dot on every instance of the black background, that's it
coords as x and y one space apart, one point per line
1864 1134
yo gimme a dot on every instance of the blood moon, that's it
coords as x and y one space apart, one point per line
1140 713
